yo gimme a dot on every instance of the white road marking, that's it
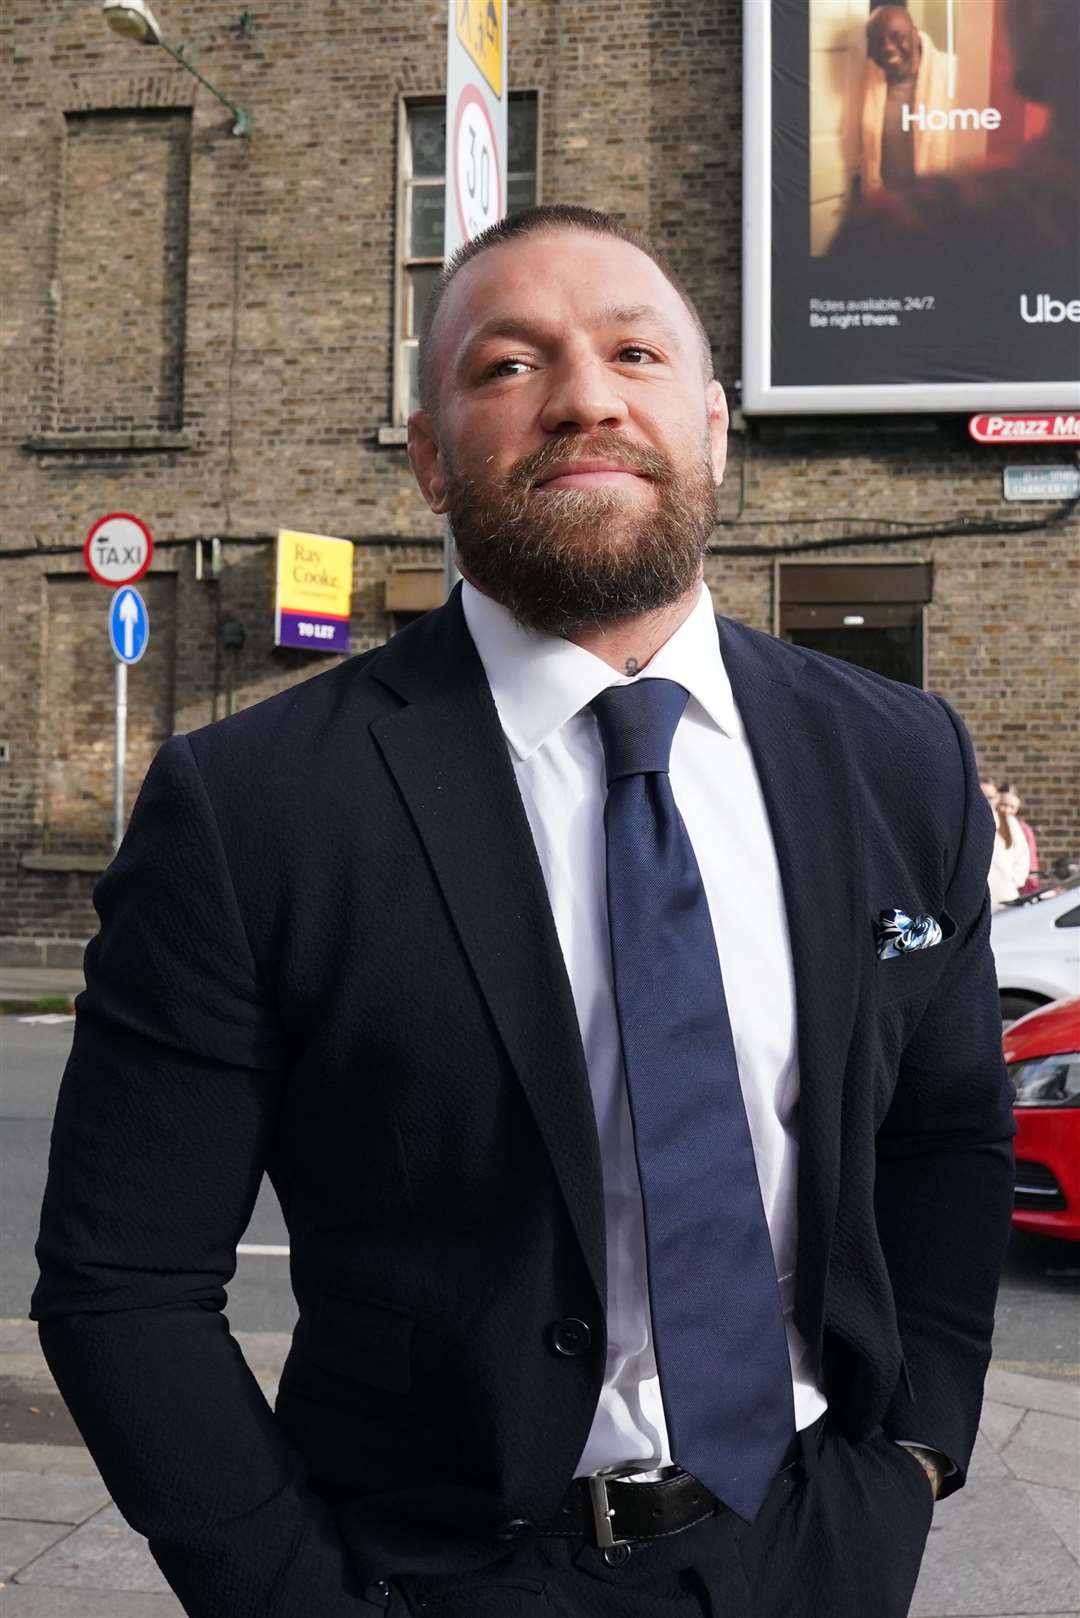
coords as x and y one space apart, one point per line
50 1017
254 1250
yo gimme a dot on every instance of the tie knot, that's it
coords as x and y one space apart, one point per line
637 723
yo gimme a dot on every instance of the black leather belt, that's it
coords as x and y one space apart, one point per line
610 1508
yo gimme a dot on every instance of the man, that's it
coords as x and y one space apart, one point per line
644 1181
905 72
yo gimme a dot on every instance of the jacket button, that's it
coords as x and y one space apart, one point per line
570 1337
516 1528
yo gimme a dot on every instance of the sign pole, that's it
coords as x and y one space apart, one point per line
129 636
476 144
121 753
117 551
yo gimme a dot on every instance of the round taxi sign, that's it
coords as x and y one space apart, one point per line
118 549
477 187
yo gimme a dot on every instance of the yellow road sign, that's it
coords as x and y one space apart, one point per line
479 28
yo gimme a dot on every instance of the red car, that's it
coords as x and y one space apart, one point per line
1042 1052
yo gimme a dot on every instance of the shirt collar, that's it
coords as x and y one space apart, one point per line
539 681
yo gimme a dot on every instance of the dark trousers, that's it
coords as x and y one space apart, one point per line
841 1535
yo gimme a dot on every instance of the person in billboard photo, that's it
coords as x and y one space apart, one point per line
905 74
1006 200
881 88
605 987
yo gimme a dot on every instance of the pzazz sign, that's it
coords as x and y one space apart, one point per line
1059 429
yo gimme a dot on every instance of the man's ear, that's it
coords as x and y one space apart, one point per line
716 405
425 458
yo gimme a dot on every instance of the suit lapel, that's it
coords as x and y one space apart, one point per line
448 756
797 741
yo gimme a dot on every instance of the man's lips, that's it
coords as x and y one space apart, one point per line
588 475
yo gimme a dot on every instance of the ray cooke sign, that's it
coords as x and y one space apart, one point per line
313 597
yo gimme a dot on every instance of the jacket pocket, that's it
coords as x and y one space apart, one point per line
359 1338
917 972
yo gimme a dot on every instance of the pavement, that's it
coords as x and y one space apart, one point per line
1006 1546
22 988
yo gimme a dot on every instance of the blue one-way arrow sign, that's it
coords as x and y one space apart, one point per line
129 625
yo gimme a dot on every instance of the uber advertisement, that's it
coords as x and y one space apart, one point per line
912 205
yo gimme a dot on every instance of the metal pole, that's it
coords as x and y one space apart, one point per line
242 126
121 753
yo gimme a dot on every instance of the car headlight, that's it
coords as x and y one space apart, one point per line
1047 1081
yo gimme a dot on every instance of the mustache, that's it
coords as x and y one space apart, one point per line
602 444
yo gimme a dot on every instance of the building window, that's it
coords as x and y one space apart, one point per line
421 202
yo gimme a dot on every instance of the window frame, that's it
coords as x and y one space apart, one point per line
404 262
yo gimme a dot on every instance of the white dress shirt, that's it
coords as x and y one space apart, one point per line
542 686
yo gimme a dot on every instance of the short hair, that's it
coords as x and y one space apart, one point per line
531 222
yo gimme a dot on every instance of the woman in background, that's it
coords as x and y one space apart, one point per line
1010 801
1010 863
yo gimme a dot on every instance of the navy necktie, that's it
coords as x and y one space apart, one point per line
718 1324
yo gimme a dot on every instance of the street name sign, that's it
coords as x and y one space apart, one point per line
1042 482
129 625
1042 428
475 119
118 549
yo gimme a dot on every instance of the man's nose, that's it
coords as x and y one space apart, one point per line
583 396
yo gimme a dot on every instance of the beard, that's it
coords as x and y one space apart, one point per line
569 559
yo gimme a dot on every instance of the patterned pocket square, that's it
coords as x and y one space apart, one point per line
900 934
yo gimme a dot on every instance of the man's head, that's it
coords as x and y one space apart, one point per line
892 41
569 423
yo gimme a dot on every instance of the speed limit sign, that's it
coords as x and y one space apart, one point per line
478 183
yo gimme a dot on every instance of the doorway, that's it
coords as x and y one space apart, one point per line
871 614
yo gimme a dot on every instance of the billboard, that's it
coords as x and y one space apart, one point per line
911 208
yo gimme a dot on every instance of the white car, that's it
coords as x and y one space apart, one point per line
1036 945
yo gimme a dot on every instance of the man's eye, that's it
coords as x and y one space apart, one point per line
637 354
507 367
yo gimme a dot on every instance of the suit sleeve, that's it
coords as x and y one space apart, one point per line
944 1188
166 1109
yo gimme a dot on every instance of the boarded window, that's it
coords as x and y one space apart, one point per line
123 271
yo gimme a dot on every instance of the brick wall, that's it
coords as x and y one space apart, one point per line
254 385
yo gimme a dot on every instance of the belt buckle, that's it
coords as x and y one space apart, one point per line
602 1512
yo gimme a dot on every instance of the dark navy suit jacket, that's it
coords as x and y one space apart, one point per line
326 952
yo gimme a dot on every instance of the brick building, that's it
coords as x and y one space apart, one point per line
215 333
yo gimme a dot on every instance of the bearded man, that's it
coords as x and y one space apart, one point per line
624 1051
